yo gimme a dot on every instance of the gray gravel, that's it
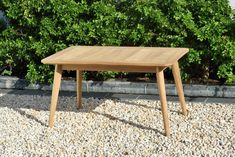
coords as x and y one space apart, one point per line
106 127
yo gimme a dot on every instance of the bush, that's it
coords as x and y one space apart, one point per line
40 28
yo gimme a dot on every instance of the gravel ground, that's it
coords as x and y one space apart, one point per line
106 127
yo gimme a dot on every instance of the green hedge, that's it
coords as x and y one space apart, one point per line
39 28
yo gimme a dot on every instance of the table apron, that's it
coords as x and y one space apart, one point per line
119 68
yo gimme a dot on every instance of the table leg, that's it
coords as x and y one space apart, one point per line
162 93
179 87
55 93
79 89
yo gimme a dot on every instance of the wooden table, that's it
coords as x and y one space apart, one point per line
123 59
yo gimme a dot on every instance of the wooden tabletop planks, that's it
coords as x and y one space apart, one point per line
110 55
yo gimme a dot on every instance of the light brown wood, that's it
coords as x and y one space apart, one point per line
109 55
79 89
162 94
124 59
55 93
118 68
179 87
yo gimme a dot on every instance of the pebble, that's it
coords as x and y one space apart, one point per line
106 127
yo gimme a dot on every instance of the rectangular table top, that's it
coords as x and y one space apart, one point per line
110 55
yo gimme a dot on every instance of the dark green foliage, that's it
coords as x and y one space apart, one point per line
39 28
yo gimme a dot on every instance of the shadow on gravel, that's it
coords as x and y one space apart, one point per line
127 122
23 113
148 107
40 101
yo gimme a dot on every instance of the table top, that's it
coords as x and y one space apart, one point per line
110 55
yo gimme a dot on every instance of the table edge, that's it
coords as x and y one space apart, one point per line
44 61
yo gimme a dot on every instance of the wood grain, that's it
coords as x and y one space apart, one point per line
162 94
118 68
179 87
109 55
79 88
55 93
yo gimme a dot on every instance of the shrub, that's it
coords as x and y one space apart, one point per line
40 28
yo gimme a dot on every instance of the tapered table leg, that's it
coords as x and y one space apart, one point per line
162 93
79 89
179 87
55 93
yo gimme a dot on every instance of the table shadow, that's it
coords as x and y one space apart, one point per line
40 101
